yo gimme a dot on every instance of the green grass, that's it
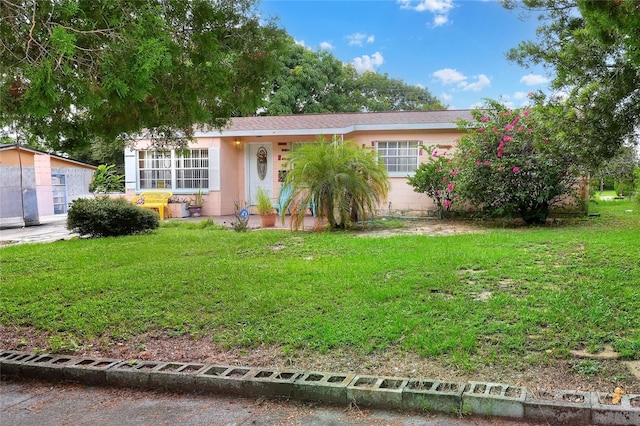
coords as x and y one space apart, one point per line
492 297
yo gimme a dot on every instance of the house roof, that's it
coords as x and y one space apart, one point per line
317 124
6 147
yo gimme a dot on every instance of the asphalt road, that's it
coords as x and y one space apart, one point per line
27 403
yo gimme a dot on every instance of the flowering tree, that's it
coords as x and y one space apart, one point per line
435 178
515 162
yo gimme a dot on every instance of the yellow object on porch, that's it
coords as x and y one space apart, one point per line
153 200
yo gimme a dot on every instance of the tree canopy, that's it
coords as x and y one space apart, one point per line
317 82
73 71
594 49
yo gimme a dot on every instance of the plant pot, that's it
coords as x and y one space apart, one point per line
195 211
268 220
178 210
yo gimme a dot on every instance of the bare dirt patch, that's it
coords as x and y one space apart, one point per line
428 227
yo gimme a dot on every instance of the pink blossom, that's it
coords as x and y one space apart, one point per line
507 138
521 128
508 127
444 178
530 95
447 203
526 112
501 168
435 153
529 130
477 163
455 172
508 112
484 119
481 129
486 162
450 187
438 192
515 169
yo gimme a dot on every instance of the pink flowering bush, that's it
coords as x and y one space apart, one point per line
436 179
514 163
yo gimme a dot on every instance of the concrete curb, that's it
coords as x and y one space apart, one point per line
399 393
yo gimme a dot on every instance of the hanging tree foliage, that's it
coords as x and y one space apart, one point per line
79 70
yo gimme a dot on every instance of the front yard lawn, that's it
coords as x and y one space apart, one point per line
480 298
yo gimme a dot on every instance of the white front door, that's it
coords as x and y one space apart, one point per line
260 170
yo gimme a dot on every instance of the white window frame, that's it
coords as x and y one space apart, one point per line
175 171
405 153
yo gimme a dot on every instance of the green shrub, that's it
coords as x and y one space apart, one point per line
106 217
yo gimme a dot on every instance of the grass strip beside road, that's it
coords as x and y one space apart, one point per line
485 297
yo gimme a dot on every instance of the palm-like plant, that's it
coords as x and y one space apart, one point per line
342 181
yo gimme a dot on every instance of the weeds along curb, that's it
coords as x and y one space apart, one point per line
398 393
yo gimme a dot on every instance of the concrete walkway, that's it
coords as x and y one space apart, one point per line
54 229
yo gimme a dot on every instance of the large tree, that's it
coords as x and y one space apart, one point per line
74 71
308 82
317 82
593 48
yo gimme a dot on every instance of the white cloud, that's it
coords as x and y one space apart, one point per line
358 39
481 82
449 76
520 95
433 6
440 20
325 45
439 8
446 97
299 42
533 79
368 63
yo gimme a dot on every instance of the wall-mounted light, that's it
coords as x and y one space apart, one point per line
237 144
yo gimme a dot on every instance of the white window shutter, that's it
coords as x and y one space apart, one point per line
130 169
214 169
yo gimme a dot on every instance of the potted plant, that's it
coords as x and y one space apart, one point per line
265 208
195 205
178 207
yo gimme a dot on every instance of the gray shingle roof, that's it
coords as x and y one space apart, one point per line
342 123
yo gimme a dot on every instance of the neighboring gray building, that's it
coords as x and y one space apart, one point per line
36 185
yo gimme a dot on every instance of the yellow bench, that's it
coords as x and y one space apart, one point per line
153 200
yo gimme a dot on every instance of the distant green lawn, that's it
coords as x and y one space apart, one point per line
478 298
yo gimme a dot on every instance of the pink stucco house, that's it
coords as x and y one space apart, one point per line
224 163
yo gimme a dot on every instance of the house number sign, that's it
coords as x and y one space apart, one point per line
262 162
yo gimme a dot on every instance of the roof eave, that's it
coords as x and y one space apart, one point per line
328 131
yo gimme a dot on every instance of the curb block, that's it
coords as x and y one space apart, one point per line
488 399
493 399
11 362
89 371
372 391
330 388
626 413
572 407
431 395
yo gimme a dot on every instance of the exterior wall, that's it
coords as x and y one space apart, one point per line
44 189
233 174
36 192
10 157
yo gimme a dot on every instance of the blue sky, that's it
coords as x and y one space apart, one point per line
455 48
